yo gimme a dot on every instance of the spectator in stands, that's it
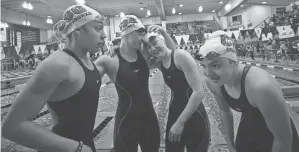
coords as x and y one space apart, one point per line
252 49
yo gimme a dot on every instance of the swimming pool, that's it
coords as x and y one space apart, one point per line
108 100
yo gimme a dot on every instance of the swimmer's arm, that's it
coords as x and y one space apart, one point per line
103 64
226 115
168 40
269 100
18 126
191 72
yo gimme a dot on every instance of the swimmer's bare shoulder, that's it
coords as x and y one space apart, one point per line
18 125
46 77
264 93
258 82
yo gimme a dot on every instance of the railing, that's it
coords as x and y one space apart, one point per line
217 21
283 59
262 22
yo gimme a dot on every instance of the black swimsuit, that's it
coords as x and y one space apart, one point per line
196 133
135 120
77 113
253 134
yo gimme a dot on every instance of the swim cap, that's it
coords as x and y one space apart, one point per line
75 17
130 23
148 36
218 44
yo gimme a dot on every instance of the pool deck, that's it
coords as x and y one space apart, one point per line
103 140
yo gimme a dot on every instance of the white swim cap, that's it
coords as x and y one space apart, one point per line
130 23
73 18
218 44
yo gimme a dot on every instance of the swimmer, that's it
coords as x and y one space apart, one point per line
188 124
68 82
265 124
135 120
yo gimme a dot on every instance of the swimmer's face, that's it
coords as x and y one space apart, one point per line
134 38
92 36
219 70
158 47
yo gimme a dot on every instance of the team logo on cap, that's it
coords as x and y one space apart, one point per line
69 14
225 40
128 22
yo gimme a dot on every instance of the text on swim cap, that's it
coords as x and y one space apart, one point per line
76 19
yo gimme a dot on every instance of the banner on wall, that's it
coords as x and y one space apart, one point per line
186 38
280 9
18 48
236 34
267 37
36 48
229 33
285 31
178 39
43 48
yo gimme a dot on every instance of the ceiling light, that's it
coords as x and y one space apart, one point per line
227 6
213 11
26 23
181 5
180 13
220 2
5 25
25 5
148 13
141 8
200 8
241 5
49 20
173 10
29 6
80 2
264 2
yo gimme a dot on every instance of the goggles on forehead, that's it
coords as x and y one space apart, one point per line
212 55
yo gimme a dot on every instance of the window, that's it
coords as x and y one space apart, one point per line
237 18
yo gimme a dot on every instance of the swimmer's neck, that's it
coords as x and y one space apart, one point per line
166 57
127 49
80 53
235 80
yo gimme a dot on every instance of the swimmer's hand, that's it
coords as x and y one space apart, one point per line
175 132
155 28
